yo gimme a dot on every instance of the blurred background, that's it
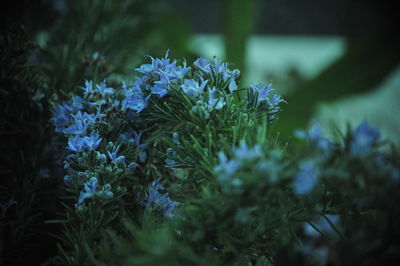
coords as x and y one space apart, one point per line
333 61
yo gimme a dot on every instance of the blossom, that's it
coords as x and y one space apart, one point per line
81 123
203 64
92 141
141 146
169 161
232 86
306 179
62 114
215 102
103 90
193 88
132 166
76 143
315 136
160 87
226 168
88 88
363 138
156 64
61 117
222 69
243 152
134 100
156 201
114 158
89 190
262 91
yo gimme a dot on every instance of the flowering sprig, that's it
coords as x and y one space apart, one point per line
157 202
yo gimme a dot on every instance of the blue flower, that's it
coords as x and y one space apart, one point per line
134 100
115 159
232 86
363 139
88 89
170 162
193 88
275 100
156 201
160 87
61 117
89 190
226 169
243 152
68 180
77 103
222 69
314 135
306 179
157 65
103 90
178 72
62 114
263 91
81 123
142 154
76 143
203 64
93 141
215 102
132 166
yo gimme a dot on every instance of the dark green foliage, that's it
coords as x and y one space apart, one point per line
28 196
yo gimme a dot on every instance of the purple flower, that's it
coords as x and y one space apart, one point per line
363 139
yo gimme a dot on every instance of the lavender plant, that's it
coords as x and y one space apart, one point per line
176 168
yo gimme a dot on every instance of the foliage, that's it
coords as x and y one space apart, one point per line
27 196
233 196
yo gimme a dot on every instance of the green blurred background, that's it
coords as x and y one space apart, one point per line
334 61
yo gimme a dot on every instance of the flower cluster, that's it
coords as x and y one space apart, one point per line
93 158
247 159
